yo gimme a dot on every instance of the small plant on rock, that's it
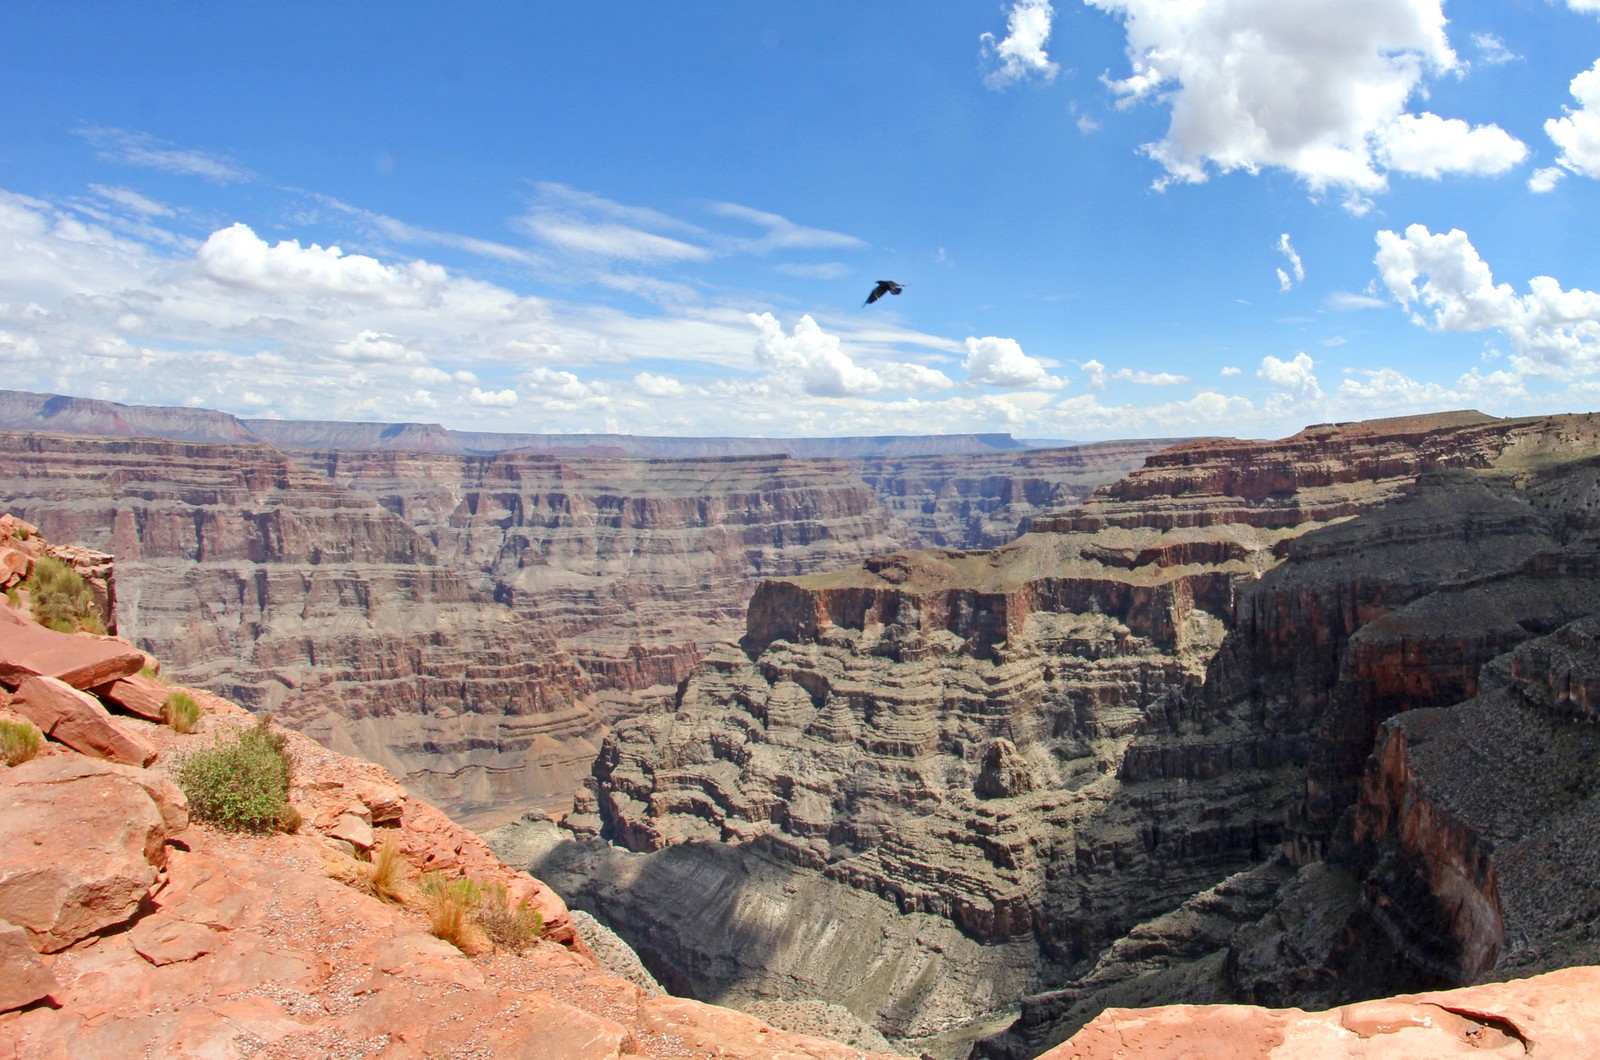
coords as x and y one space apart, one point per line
241 783
382 877
509 925
19 741
451 905
61 599
181 712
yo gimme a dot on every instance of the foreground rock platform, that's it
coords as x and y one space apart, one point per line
1547 1015
128 930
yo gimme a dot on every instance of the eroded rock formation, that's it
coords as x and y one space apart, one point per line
1189 670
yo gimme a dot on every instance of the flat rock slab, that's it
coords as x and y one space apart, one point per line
79 855
77 719
27 649
137 695
168 797
163 940
1549 1014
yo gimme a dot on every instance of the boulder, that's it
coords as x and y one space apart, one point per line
168 797
81 853
352 830
136 694
77 719
14 566
27 649
26 979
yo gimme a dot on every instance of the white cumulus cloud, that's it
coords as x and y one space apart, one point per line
1317 87
1149 378
1021 54
993 361
1297 377
492 398
1578 133
812 361
1447 286
238 257
657 386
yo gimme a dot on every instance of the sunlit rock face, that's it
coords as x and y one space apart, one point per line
473 622
1190 671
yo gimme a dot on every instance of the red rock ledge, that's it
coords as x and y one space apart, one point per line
1547 1015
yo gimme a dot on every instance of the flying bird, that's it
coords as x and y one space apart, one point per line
884 287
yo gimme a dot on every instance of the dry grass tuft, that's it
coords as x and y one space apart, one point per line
509 926
181 712
450 905
19 741
383 877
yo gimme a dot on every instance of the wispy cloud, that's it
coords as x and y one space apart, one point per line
141 149
783 233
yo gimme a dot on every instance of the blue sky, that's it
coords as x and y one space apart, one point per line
1111 217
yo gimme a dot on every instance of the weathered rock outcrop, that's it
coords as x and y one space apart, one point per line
127 930
1190 670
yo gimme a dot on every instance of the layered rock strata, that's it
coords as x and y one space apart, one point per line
475 622
1052 742
267 583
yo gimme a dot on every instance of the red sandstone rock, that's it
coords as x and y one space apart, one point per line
1551 1015
252 946
25 979
136 694
77 719
80 854
14 566
27 649
170 800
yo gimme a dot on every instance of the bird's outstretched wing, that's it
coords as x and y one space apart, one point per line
884 287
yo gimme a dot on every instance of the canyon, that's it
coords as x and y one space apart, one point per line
475 621
1290 723
130 926
956 750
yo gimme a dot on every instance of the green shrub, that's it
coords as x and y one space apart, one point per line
19 741
241 783
181 712
511 927
61 598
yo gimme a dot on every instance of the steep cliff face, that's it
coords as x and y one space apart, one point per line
1059 739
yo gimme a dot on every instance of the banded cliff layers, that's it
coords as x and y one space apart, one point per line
473 622
1061 772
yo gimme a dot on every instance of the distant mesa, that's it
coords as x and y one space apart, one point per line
58 414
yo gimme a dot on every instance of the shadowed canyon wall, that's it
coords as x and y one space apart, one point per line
1129 755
